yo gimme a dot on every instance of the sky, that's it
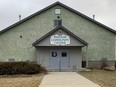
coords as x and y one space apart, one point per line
104 10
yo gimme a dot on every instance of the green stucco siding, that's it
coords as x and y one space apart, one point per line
101 41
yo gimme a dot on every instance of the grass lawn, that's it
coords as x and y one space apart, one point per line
20 80
101 77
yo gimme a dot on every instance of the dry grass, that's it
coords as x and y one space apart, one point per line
20 81
101 77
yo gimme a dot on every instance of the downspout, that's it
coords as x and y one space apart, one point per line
115 52
87 56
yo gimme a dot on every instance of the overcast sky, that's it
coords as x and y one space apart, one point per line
105 10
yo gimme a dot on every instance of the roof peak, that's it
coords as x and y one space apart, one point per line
58 2
63 5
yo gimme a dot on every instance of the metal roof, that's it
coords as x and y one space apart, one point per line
65 6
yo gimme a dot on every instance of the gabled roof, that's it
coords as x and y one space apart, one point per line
65 6
59 28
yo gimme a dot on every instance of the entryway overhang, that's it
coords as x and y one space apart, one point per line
60 31
60 49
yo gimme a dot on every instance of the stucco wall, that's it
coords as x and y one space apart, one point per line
101 42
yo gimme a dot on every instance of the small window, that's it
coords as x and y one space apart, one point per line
57 23
57 11
64 54
60 32
54 54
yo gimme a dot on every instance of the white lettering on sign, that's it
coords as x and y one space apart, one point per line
60 39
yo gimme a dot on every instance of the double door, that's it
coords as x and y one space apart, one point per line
59 59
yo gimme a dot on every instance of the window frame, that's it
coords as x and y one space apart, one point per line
57 13
57 23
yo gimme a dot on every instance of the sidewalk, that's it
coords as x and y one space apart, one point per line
66 79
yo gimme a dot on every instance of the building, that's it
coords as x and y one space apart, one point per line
60 38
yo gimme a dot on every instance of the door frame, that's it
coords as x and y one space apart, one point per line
59 51
50 57
68 58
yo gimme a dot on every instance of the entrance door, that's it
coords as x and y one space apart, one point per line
59 59
64 59
54 59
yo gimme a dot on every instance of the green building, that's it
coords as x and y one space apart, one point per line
59 38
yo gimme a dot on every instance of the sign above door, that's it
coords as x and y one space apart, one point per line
59 39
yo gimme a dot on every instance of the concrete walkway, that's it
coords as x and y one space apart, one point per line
66 79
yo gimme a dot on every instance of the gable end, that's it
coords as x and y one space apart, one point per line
65 6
